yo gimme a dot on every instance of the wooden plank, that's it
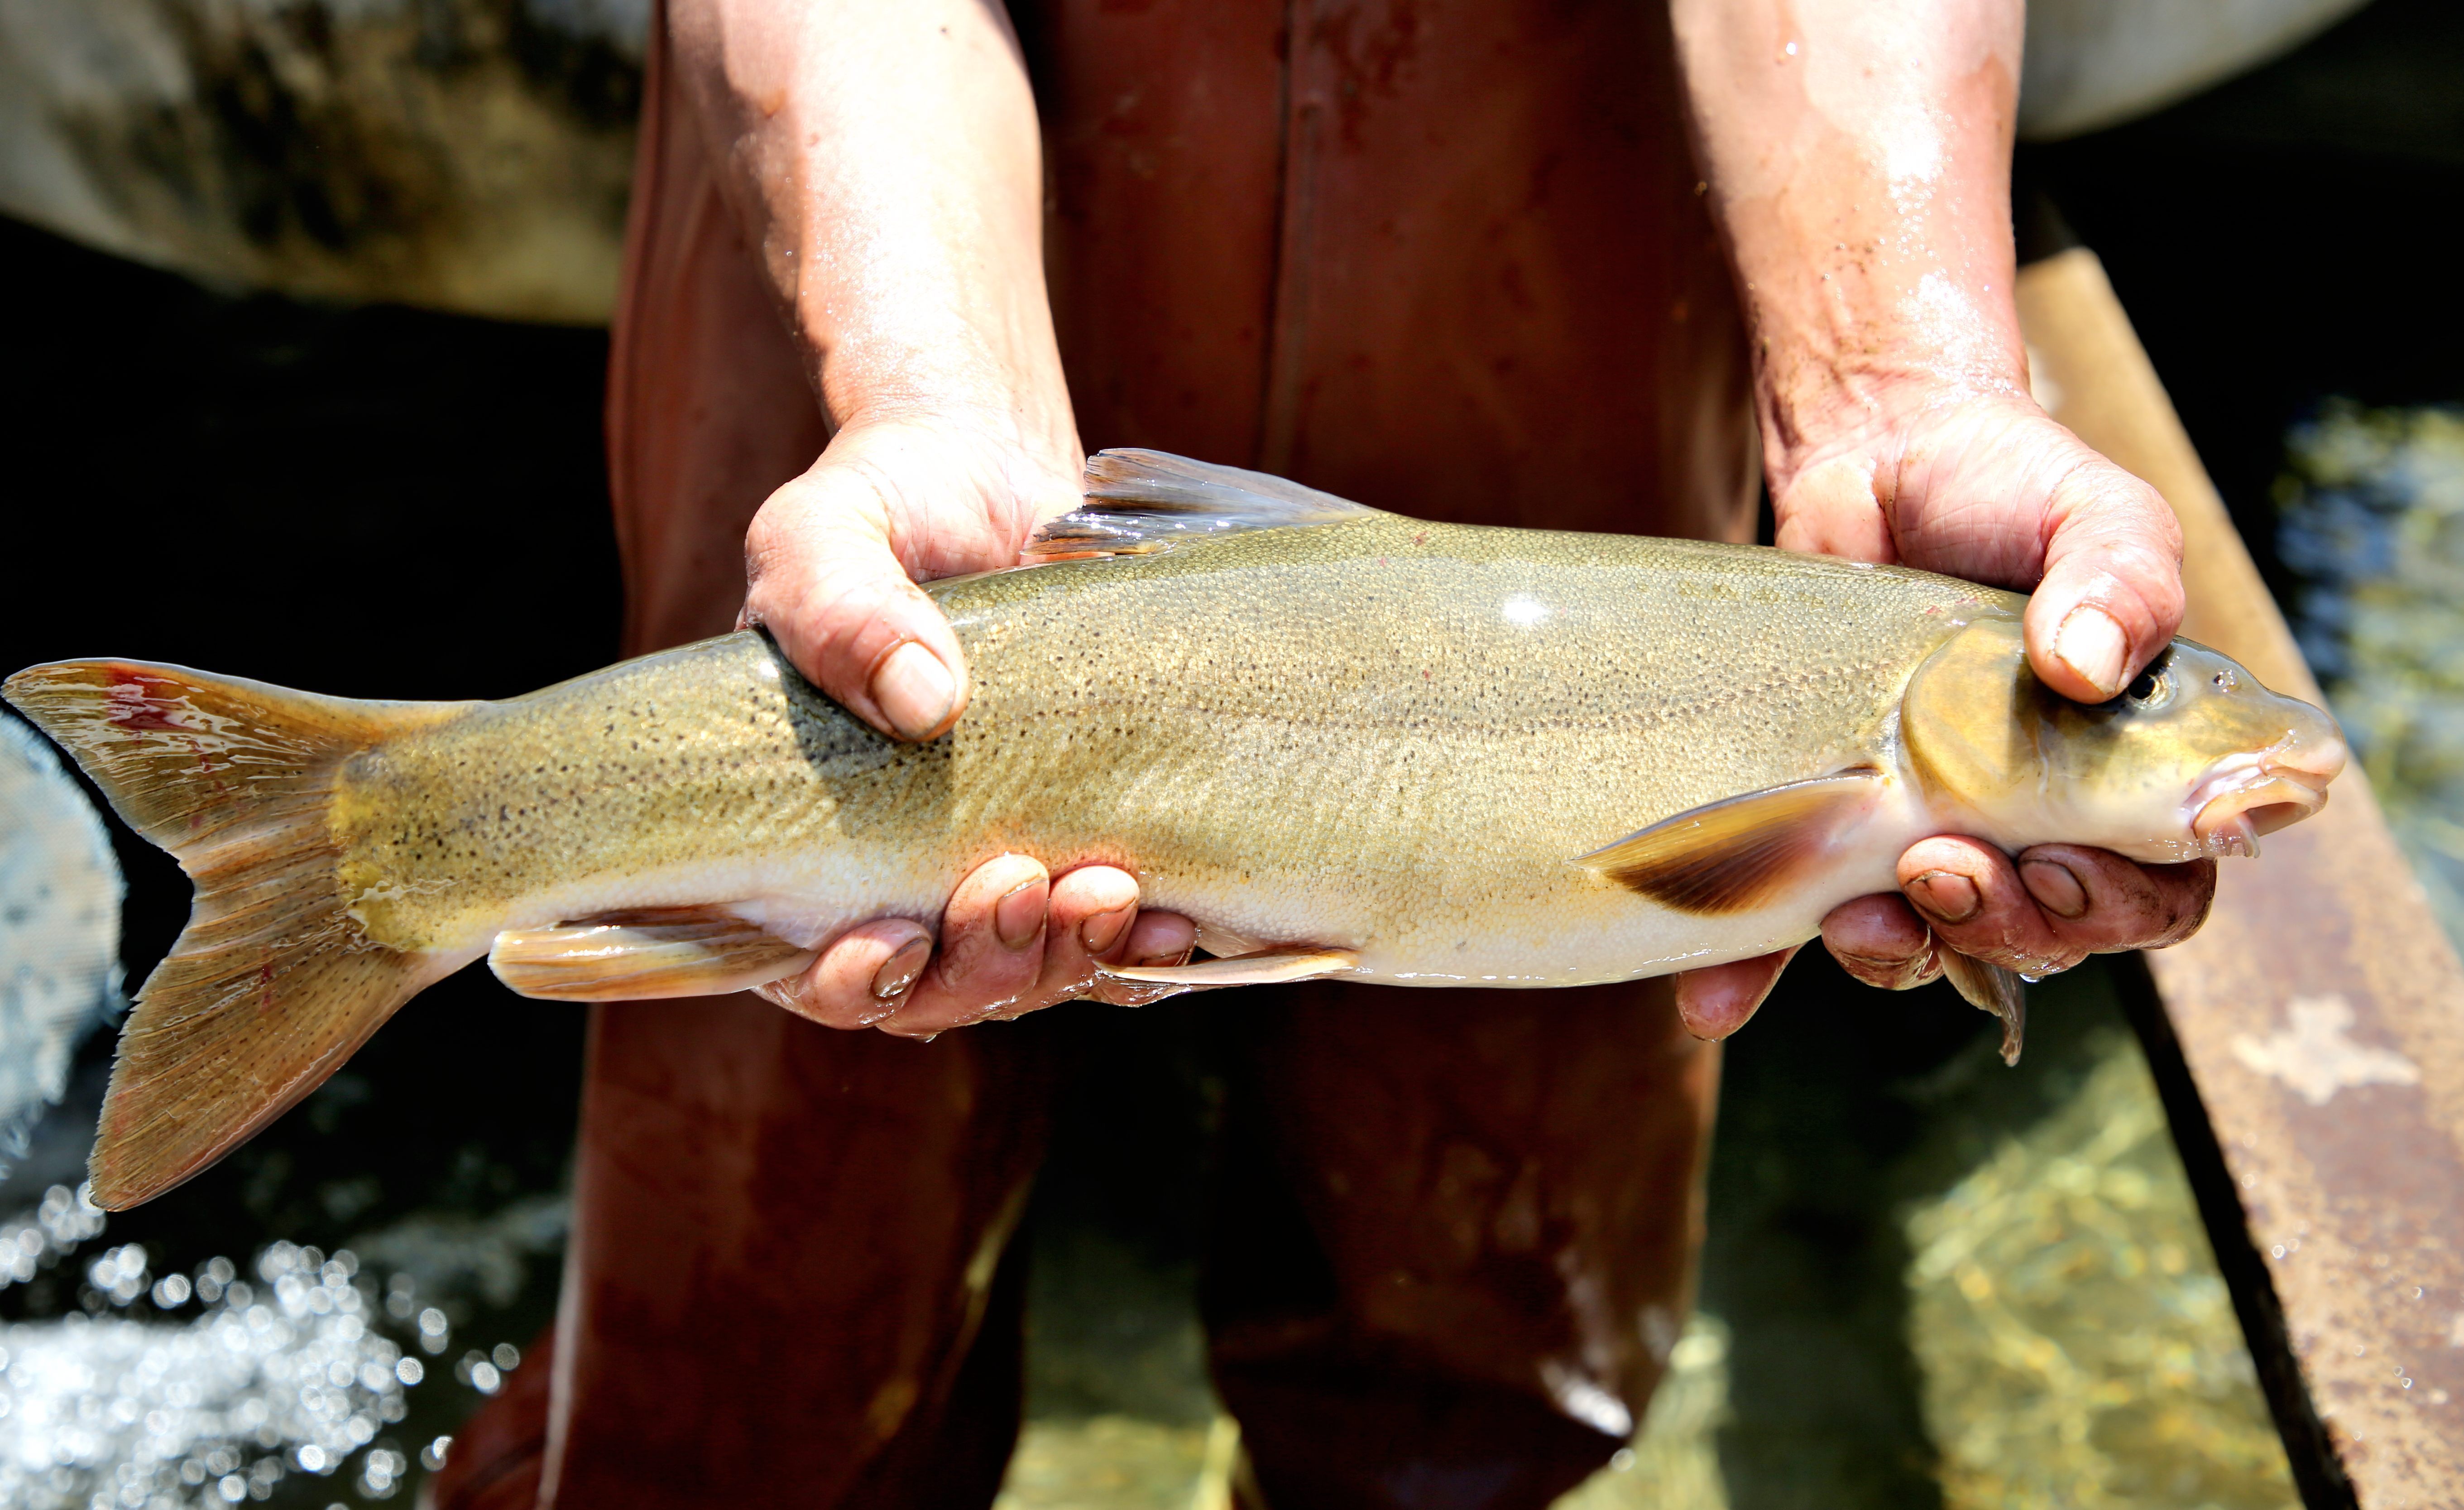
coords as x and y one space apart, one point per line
2315 1023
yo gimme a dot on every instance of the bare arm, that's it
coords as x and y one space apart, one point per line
1858 155
885 159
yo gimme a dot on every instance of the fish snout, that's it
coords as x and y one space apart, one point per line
2244 796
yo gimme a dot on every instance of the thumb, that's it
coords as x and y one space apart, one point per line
826 583
2111 597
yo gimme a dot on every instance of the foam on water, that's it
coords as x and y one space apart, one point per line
60 931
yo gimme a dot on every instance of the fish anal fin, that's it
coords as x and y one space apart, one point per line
1142 502
1995 990
644 955
1738 854
1264 967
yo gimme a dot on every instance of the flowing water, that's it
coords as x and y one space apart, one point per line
2371 511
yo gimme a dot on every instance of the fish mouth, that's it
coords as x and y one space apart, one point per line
2243 796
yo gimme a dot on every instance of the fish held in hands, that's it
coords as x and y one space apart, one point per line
1342 741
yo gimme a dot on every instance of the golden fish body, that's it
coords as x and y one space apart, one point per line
1383 736
1415 753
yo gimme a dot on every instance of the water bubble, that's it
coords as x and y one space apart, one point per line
505 1356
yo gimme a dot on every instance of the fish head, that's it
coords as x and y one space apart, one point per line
2194 758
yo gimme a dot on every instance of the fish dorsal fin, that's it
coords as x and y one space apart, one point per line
1144 502
1735 855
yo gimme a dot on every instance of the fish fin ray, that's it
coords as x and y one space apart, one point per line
644 956
1737 853
1266 968
273 984
1144 502
1993 991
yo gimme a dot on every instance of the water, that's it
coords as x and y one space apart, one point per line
59 932
2371 524
304 1379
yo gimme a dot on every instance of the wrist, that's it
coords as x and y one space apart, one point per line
1867 411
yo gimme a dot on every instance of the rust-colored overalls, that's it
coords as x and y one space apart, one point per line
1444 256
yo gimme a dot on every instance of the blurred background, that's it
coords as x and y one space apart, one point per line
301 381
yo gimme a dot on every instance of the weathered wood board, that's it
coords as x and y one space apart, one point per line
2315 1026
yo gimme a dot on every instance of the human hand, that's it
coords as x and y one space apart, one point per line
1986 486
833 558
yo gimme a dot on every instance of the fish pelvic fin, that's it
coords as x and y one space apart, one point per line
1738 854
1264 967
643 956
1995 990
1144 502
273 984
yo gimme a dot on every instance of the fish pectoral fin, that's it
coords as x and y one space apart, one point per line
1995 990
1143 502
644 956
1266 968
1735 855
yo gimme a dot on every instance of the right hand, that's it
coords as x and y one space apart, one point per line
833 559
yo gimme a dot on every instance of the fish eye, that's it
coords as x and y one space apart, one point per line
2153 684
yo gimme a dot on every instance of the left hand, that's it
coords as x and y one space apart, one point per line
1857 158
1989 488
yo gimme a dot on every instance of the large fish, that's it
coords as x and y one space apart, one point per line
1343 740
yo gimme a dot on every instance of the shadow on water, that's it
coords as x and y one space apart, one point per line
1947 1281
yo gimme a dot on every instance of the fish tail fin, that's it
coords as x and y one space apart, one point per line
273 984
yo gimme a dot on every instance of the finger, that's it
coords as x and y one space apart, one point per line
1831 508
2099 902
863 977
1716 1000
1092 910
1880 940
992 949
1156 938
2111 597
1971 894
823 580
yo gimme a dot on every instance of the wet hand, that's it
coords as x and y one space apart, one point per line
1013 939
1987 487
832 561
2044 911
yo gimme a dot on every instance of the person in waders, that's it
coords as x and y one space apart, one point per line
1576 264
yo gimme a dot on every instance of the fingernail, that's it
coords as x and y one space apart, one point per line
1103 930
914 691
1947 894
2091 644
1018 917
2056 886
899 971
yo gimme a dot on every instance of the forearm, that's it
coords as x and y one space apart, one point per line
885 159
1858 155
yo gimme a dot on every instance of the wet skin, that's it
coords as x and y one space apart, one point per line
1857 160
